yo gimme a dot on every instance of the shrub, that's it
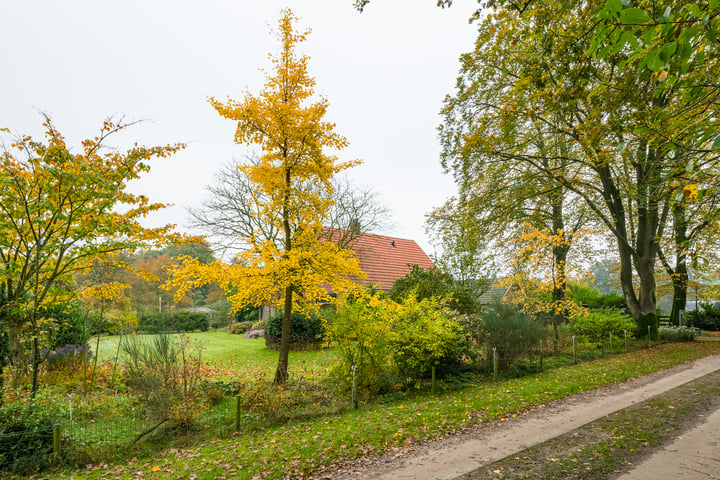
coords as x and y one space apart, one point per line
361 331
189 321
306 330
425 336
153 322
678 334
593 299
69 357
596 327
157 322
707 318
240 327
392 344
504 327
26 437
258 325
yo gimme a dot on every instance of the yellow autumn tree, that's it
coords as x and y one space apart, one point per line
294 178
61 210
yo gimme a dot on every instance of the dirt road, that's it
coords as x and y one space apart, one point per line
461 454
695 455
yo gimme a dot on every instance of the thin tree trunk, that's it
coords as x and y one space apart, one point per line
281 374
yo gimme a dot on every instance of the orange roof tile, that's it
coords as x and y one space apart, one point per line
386 259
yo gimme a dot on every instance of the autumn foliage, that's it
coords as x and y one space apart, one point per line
294 179
60 211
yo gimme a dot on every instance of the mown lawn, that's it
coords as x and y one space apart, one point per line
310 447
230 355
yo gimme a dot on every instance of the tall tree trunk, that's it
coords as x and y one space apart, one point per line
680 286
281 374
560 252
638 252
679 274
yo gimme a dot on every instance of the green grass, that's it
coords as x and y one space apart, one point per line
303 447
228 355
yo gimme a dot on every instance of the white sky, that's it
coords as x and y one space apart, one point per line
385 73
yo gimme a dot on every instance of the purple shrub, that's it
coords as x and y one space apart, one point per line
68 354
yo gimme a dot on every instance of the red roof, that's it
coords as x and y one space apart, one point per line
386 259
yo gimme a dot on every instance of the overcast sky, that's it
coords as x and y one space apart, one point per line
385 73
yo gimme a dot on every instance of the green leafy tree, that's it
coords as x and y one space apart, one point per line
422 284
533 70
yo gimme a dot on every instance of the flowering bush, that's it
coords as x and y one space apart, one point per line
254 333
678 334
70 356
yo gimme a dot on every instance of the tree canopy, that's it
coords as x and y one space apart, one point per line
603 128
60 211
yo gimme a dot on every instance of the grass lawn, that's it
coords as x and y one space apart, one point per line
228 355
313 446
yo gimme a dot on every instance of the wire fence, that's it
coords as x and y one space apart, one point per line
75 430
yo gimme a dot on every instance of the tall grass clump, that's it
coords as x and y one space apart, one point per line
165 372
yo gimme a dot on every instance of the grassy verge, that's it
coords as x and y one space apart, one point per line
311 447
615 443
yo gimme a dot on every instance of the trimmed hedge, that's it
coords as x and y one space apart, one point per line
306 331
155 322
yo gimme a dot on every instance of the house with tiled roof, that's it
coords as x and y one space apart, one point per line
386 259
383 259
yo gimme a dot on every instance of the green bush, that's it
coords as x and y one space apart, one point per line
240 327
514 334
26 438
258 325
593 299
152 322
595 327
306 330
706 318
156 322
189 321
425 335
361 331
